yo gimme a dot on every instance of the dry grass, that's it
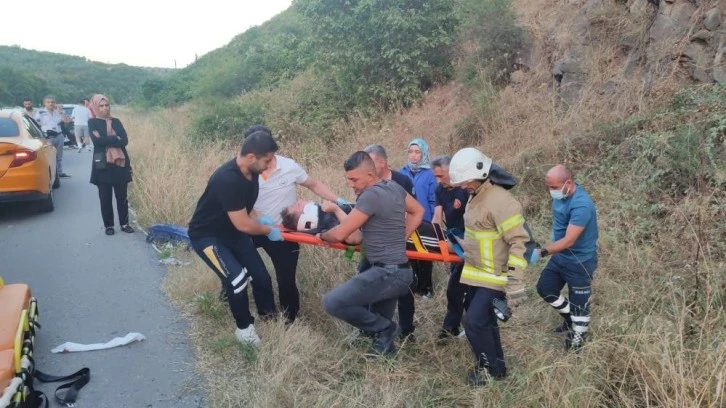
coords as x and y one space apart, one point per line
658 338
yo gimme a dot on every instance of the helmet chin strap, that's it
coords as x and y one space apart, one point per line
309 218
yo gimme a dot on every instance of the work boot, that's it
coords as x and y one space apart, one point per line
248 335
575 341
384 342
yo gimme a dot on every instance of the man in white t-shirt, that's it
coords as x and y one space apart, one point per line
278 190
80 116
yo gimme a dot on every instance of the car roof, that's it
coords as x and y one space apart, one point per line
16 115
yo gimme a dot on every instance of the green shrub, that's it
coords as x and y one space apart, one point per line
228 119
382 53
489 39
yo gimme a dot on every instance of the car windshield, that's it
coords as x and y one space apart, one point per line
8 128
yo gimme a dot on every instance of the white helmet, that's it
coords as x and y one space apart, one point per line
309 218
469 164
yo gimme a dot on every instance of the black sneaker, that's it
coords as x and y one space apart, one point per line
481 377
563 328
64 175
407 335
384 342
575 341
445 334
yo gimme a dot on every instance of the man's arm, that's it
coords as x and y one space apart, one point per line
331 207
438 215
243 222
414 214
347 226
571 234
320 189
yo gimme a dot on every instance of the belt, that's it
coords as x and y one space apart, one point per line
404 265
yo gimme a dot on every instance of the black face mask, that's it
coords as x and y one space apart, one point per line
28 108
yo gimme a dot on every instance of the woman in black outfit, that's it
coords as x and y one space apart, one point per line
111 171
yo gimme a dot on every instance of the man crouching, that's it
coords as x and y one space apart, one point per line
383 218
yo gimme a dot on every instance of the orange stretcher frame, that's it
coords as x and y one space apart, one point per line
421 254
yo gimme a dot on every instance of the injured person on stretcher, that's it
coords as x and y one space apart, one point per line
313 218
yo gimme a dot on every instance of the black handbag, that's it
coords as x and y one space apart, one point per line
99 161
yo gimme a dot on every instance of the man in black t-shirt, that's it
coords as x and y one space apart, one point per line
221 227
450 206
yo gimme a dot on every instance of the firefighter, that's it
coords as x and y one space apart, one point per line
495 245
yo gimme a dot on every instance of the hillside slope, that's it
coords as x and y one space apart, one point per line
29 73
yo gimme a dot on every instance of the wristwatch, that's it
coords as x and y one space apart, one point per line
543 252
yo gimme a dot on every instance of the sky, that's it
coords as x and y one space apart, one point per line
150 33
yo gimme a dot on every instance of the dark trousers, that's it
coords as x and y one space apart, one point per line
368 299
458 297
422 270
578 277
237 262
406 304
482 331
284 255
106 191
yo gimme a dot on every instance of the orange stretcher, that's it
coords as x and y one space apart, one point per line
433 248
18 319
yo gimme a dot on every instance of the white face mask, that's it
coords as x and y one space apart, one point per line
559 194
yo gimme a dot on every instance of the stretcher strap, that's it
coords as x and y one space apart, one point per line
80 378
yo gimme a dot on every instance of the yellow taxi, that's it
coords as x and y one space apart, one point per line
27 161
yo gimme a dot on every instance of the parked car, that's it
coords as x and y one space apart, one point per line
27 162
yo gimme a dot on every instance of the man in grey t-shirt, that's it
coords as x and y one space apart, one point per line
383 218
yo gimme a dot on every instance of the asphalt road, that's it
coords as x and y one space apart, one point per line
91 288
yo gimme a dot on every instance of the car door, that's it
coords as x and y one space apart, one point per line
47 150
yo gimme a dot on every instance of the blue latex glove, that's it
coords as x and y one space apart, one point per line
534 258
275 235
266 220
342 201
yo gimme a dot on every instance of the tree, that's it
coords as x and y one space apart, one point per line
383 52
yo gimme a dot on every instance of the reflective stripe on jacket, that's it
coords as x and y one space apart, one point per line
494 240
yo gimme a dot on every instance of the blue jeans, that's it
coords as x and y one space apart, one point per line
368 299
482 330
57 141
578 277
237 263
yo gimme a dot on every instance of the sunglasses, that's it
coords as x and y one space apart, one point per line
104 106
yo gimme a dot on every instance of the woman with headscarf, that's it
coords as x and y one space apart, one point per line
418 169
111 171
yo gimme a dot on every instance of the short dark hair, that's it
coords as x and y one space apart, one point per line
289 219
27 100
378 150
357 159
441 161
259 143
84 100
257 128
